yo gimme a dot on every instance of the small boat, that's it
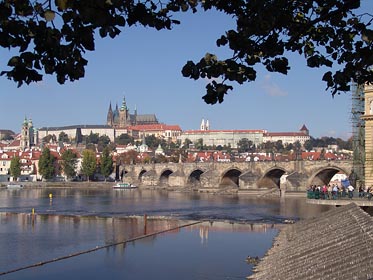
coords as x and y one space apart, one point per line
124 186
14 186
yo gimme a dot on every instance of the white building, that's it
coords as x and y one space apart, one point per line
222 137
288 137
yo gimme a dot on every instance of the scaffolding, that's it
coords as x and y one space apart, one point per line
358 134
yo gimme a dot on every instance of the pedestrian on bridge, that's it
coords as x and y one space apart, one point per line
335 191
350 189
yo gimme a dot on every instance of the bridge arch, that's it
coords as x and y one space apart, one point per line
142 172
271 178
163 179
230 178
121 174
323 175
194 177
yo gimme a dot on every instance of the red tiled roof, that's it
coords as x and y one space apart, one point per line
15 143
285 134
152 127
225 130
311 155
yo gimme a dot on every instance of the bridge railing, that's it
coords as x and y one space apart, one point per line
338 195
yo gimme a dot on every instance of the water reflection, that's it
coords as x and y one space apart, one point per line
76 220
28 239
196 206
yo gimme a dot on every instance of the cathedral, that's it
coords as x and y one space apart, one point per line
121 118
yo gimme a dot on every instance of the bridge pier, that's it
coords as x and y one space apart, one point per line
150 178
210 179
248 181
177 179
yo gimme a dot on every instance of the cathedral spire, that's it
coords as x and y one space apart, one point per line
110 116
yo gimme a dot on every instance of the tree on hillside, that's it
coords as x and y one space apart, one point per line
92 138
103 142
49 138
290 147
63 137
297 146
124 139
152 141
308 145
52 37
88 163
46 164
198 144
15 168
129 157
69 161
186 143
91 147
106 163
279 146
244 145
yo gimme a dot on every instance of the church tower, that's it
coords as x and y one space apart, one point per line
304 130
29 135
25 135
110 116
202 127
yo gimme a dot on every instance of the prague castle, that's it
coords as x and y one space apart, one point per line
118 121
121 118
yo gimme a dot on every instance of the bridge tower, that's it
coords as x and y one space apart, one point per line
368 118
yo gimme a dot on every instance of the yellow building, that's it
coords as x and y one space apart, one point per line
368 118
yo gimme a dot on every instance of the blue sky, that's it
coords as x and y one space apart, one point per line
145 65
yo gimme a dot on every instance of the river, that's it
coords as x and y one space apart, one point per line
79 220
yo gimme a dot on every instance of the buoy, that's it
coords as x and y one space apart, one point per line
50 196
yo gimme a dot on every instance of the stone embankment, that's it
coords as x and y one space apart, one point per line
336 245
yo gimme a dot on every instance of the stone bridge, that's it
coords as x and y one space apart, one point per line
289 175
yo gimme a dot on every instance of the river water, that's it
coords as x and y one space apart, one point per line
80 220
